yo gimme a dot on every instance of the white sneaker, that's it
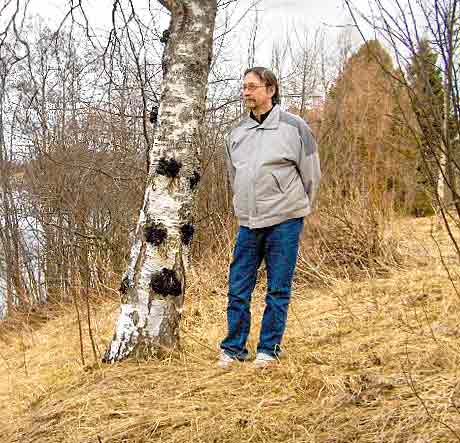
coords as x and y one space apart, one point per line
225 361
263 360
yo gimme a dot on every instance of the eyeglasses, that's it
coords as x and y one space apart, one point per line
251 87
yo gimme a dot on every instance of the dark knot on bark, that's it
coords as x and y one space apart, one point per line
155 234
194 180
169 168
153 118
124 285
165 36
166 282
187 232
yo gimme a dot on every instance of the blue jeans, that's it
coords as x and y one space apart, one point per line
278 245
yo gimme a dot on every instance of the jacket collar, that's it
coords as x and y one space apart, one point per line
271 122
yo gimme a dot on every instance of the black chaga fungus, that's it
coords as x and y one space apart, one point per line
169 168
153 118
165 283
155 234
194 180
187 231
124 285
165 36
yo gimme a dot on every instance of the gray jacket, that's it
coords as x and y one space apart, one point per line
273 169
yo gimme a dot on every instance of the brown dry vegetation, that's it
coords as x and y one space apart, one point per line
369 361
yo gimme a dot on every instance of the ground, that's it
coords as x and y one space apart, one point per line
374 360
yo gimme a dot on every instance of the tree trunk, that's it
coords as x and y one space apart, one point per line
154 285
447 178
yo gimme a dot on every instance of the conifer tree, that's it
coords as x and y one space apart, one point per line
427 96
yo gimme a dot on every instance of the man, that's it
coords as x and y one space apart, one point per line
274 171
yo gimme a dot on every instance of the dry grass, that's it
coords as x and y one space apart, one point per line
346 240
369 361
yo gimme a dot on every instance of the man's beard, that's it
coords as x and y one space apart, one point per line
250 104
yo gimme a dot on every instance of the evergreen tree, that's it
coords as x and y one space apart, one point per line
425 79
427 95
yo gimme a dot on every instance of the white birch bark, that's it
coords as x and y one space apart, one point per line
441 185
154 285
445 178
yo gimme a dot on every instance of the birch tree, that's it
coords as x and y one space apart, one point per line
154 285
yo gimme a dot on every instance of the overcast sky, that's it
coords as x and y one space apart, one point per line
279 17
275 14
312 11
331 12
276 19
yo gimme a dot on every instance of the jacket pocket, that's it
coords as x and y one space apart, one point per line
284 177
240 197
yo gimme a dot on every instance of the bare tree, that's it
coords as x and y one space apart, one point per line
154 286
252 40
306 79
13 50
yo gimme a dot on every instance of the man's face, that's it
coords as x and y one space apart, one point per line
256 95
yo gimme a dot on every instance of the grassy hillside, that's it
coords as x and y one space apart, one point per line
369 361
